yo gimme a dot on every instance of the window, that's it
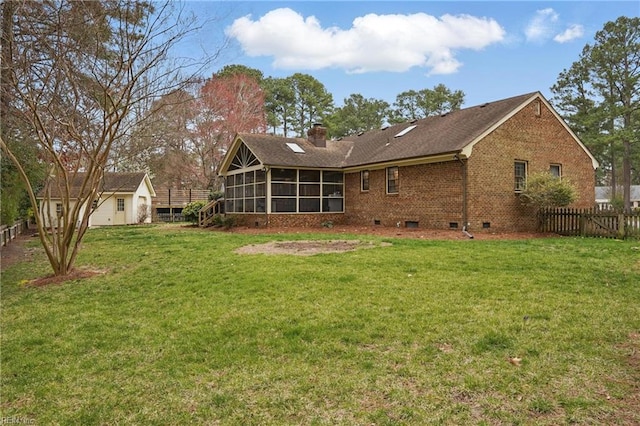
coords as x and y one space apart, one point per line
392 180
94 205
520 173
556 170
292 191
245 192
364 180
120 204
58 209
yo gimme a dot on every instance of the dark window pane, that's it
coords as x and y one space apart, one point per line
260 176
332 189
260 190
309 175
283 189
335 177
283 205
249 177
309 190
260 205
309 205
332 204
284 175
248 206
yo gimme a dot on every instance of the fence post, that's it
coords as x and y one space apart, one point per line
621 226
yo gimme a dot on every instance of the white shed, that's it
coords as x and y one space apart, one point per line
123 198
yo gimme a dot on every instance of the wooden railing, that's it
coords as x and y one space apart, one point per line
208 213
595 222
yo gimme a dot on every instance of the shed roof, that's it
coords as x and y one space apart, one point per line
112 182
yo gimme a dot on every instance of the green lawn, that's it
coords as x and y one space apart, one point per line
183 330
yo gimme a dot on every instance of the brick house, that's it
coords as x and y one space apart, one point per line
464 169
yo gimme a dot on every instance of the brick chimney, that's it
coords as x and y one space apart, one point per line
318 135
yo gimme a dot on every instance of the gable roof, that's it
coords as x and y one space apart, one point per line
603 193
112 182
273 151
441 136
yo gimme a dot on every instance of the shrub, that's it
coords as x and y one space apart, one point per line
224 221
143 213
190 211
546 190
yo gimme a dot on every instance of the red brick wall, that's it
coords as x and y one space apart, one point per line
430 194
283 220
540 140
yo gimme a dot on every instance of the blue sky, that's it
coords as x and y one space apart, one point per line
489 50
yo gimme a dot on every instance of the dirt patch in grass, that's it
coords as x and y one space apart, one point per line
15 251
307 248
76 274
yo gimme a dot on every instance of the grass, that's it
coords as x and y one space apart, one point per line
183 330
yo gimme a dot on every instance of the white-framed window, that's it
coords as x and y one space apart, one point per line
393 175
520 175
245 192
364 180
556 170
59 209
120 204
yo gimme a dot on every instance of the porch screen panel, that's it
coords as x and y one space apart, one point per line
244 192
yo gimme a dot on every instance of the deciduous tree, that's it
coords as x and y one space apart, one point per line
78 69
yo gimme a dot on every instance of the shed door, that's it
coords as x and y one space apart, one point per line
120 216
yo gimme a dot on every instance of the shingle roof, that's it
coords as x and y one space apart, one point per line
111 183
430 136
604 192
273 151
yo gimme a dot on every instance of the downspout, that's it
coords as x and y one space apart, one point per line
465 222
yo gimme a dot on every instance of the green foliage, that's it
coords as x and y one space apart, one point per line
545 190
191 211
225 221
311 102
412 104
357 115
599 96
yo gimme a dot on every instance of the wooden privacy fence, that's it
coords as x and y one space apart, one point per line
594 222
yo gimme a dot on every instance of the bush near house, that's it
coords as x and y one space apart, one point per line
190 211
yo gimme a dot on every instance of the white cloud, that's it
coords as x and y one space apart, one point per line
541 26
373 43
573 32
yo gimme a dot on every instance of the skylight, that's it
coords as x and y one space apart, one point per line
405 131
295 148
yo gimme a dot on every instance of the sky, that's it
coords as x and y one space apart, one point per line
490 50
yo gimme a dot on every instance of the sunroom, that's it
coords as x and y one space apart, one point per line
285 177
